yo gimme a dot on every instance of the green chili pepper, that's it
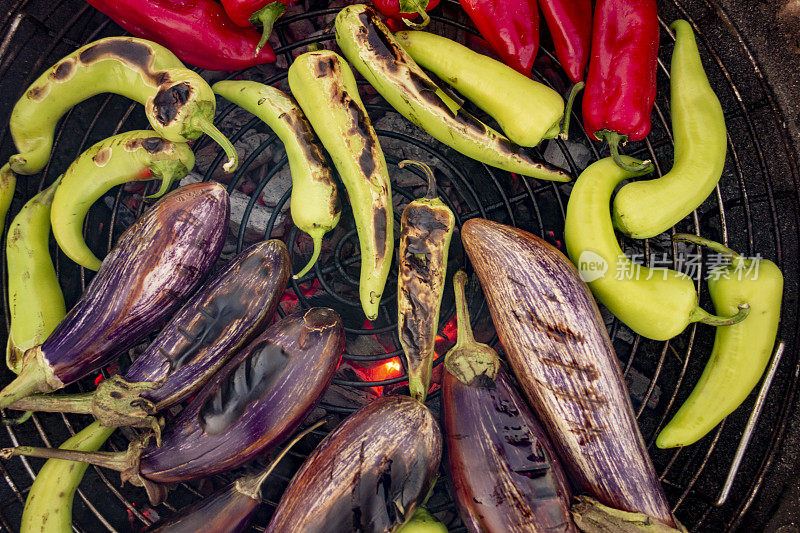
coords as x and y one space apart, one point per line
422 522
132 156
655 303
48 508
35 300
741 352
315 203
178 103
425 231
326 90
526 110
369 45
646 208
8 182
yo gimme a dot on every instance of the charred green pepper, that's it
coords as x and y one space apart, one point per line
425 231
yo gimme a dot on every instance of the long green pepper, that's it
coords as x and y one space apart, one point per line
741 351
657 304
315 205
131 156
326 90
646 208
372 49
178 102
35 300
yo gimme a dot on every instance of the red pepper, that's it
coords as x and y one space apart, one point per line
621 86
570 23
407 10
262 13
510 26
197 31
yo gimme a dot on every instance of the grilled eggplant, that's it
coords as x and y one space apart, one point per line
228 311
249 407
563 359
156 264
505 473
368 475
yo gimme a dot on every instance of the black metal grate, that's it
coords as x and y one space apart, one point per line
754 210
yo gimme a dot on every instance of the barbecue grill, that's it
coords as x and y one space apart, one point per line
754 210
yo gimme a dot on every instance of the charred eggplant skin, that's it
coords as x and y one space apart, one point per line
368 475
254 402
156 264
562 357
224 511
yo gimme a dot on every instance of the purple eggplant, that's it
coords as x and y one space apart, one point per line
368 475
156 264
224 315
228 510
562 357
505 474
249 407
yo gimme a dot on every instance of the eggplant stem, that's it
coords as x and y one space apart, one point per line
314 256
701 315
708 243
56 403
17 421
208 127
251 485
614 140
431 194
464 329
266 17
564 135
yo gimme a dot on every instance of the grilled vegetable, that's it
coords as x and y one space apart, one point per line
505 473
422 522
230 509
249 407
741 352
228 311
560 352
315 202
369 475
130 156
8 182
156 263
179 104
425 231
35 300
48 507
369 45
326 89
592 516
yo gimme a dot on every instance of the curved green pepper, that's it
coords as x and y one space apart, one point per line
315 205
48 508
35 300
422 522
527 111
657 304
8 182
426 228
741 352
369 45
646 208
326 90
131 156
178 103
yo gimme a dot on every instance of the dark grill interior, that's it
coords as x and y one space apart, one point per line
754 210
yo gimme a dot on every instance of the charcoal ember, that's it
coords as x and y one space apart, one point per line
579 152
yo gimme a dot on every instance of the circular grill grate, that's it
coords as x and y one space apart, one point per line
753 210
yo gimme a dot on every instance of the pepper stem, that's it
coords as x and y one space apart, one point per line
166 171
699 314
251 485
266 17
208 127
412 6
317 237
614 141
31 379
564 135
431 194
708 243
56 403
19 420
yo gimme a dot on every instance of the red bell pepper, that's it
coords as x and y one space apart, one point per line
570 23
405 10
510 26
197 31
621 85
264 13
